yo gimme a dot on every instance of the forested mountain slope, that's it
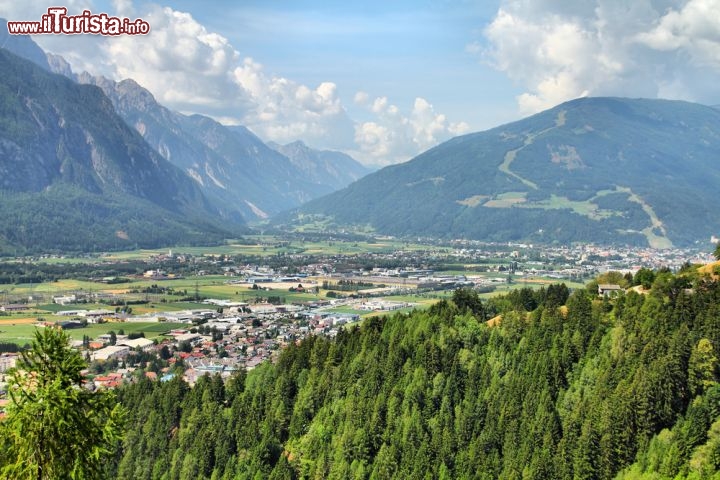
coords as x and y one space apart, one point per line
552 392
74 176
604 170
244 178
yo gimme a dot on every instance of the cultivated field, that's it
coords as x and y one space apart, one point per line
22 333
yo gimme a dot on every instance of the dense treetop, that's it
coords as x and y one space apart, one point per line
56 428
568 385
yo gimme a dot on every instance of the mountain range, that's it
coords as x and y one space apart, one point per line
325 167
90 163
74 175
605 170
239 172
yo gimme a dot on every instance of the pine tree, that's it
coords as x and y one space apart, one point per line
56 428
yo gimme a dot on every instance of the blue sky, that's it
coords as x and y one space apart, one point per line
385 81
401 50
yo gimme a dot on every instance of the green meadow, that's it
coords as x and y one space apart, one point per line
23 333
267 246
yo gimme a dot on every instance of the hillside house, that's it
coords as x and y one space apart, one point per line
609 289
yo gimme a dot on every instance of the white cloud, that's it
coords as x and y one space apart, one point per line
124 8
193 70
561 50
395 137
379 105
287 111
374 140
473 48
361 98
183 64
694 29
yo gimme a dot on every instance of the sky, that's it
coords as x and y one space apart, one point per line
386 80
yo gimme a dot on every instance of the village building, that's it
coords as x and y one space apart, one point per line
609 289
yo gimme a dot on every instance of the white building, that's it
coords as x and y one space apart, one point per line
8 361
142 343
64 300
110 352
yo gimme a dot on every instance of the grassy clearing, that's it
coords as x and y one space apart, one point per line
473 201
506 200
532 282
253 245
656 225
347 310
20 316
70 260
585 208
19 333
507 161
266 246
23 333
170 306
65 285
326 224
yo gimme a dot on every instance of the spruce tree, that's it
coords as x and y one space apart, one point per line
56 428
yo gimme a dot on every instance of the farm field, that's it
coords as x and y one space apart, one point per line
269 246
22 333
138 295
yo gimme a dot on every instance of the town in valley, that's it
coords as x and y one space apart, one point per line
195 311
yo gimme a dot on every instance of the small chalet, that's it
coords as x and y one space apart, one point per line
609 289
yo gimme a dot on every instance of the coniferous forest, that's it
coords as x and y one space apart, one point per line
578 388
